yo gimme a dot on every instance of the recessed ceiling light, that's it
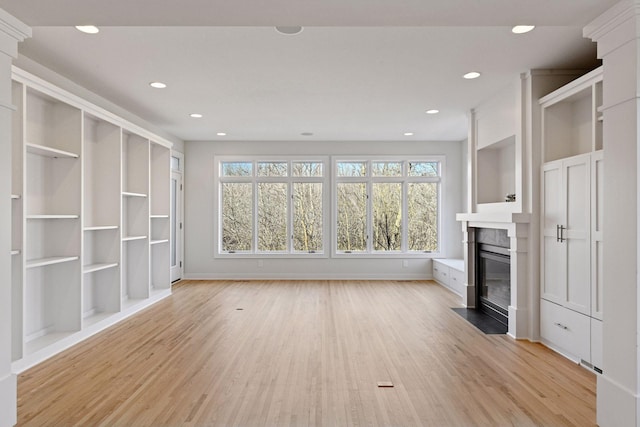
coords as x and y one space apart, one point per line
221 134
521 29
289 31
408 134
307 134
432 111
195 115
472 75
157 85
89 29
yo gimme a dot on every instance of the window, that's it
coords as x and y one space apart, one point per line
271 206
387 206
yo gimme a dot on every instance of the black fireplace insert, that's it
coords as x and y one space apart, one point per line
494 281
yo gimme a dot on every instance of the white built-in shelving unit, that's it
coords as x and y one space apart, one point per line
89 200
571 220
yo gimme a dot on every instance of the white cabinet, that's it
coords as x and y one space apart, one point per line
566 233
90 198
571 220
449 273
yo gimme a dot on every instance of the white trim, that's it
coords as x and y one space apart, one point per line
313 276
8 400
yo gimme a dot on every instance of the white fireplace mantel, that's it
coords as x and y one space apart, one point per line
517 226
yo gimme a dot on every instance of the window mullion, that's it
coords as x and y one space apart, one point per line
404 246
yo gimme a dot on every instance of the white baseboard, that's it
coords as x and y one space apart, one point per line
8 401
285 276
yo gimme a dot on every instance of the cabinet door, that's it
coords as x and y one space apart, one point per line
577 234
553 251
597 278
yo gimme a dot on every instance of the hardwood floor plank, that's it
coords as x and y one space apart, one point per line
305 353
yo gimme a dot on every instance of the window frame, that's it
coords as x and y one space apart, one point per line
289 180
369 180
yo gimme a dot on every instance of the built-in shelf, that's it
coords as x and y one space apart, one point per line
15 252
159 216
97 267
53 216
41 262
101 227
42 150
130 238
15 197
155 242
129 194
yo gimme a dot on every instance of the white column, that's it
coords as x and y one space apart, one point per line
617 33
12 31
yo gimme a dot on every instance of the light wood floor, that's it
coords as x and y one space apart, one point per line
305 353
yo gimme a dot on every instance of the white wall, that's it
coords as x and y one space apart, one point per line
200 217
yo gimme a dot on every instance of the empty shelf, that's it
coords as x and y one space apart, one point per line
155 242
159 216
53 216
42 150
129 238
41 262
129 194
97 267
101 227
15 252
15 197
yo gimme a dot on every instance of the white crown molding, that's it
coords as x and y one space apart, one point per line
612 19
13 27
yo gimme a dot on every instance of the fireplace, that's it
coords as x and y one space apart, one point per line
493 281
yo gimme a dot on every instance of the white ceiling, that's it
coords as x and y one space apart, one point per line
360 70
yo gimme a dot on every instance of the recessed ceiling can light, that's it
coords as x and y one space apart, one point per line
89 29
307 134
195 115
432 111
157 85
472 75
521 29
289 30
221 134
408 134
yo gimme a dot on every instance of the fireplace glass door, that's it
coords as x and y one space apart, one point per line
494 279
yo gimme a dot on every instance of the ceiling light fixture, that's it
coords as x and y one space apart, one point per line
157 85
472 75
521 29
88 29
307 134
432 111
221 134
289 30
408 134
195 115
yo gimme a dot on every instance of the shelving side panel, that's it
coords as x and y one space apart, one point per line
135 270
52 300
17 139
135 164
52 123
53 185
17 306
160 268
598 119
102 187
160 179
